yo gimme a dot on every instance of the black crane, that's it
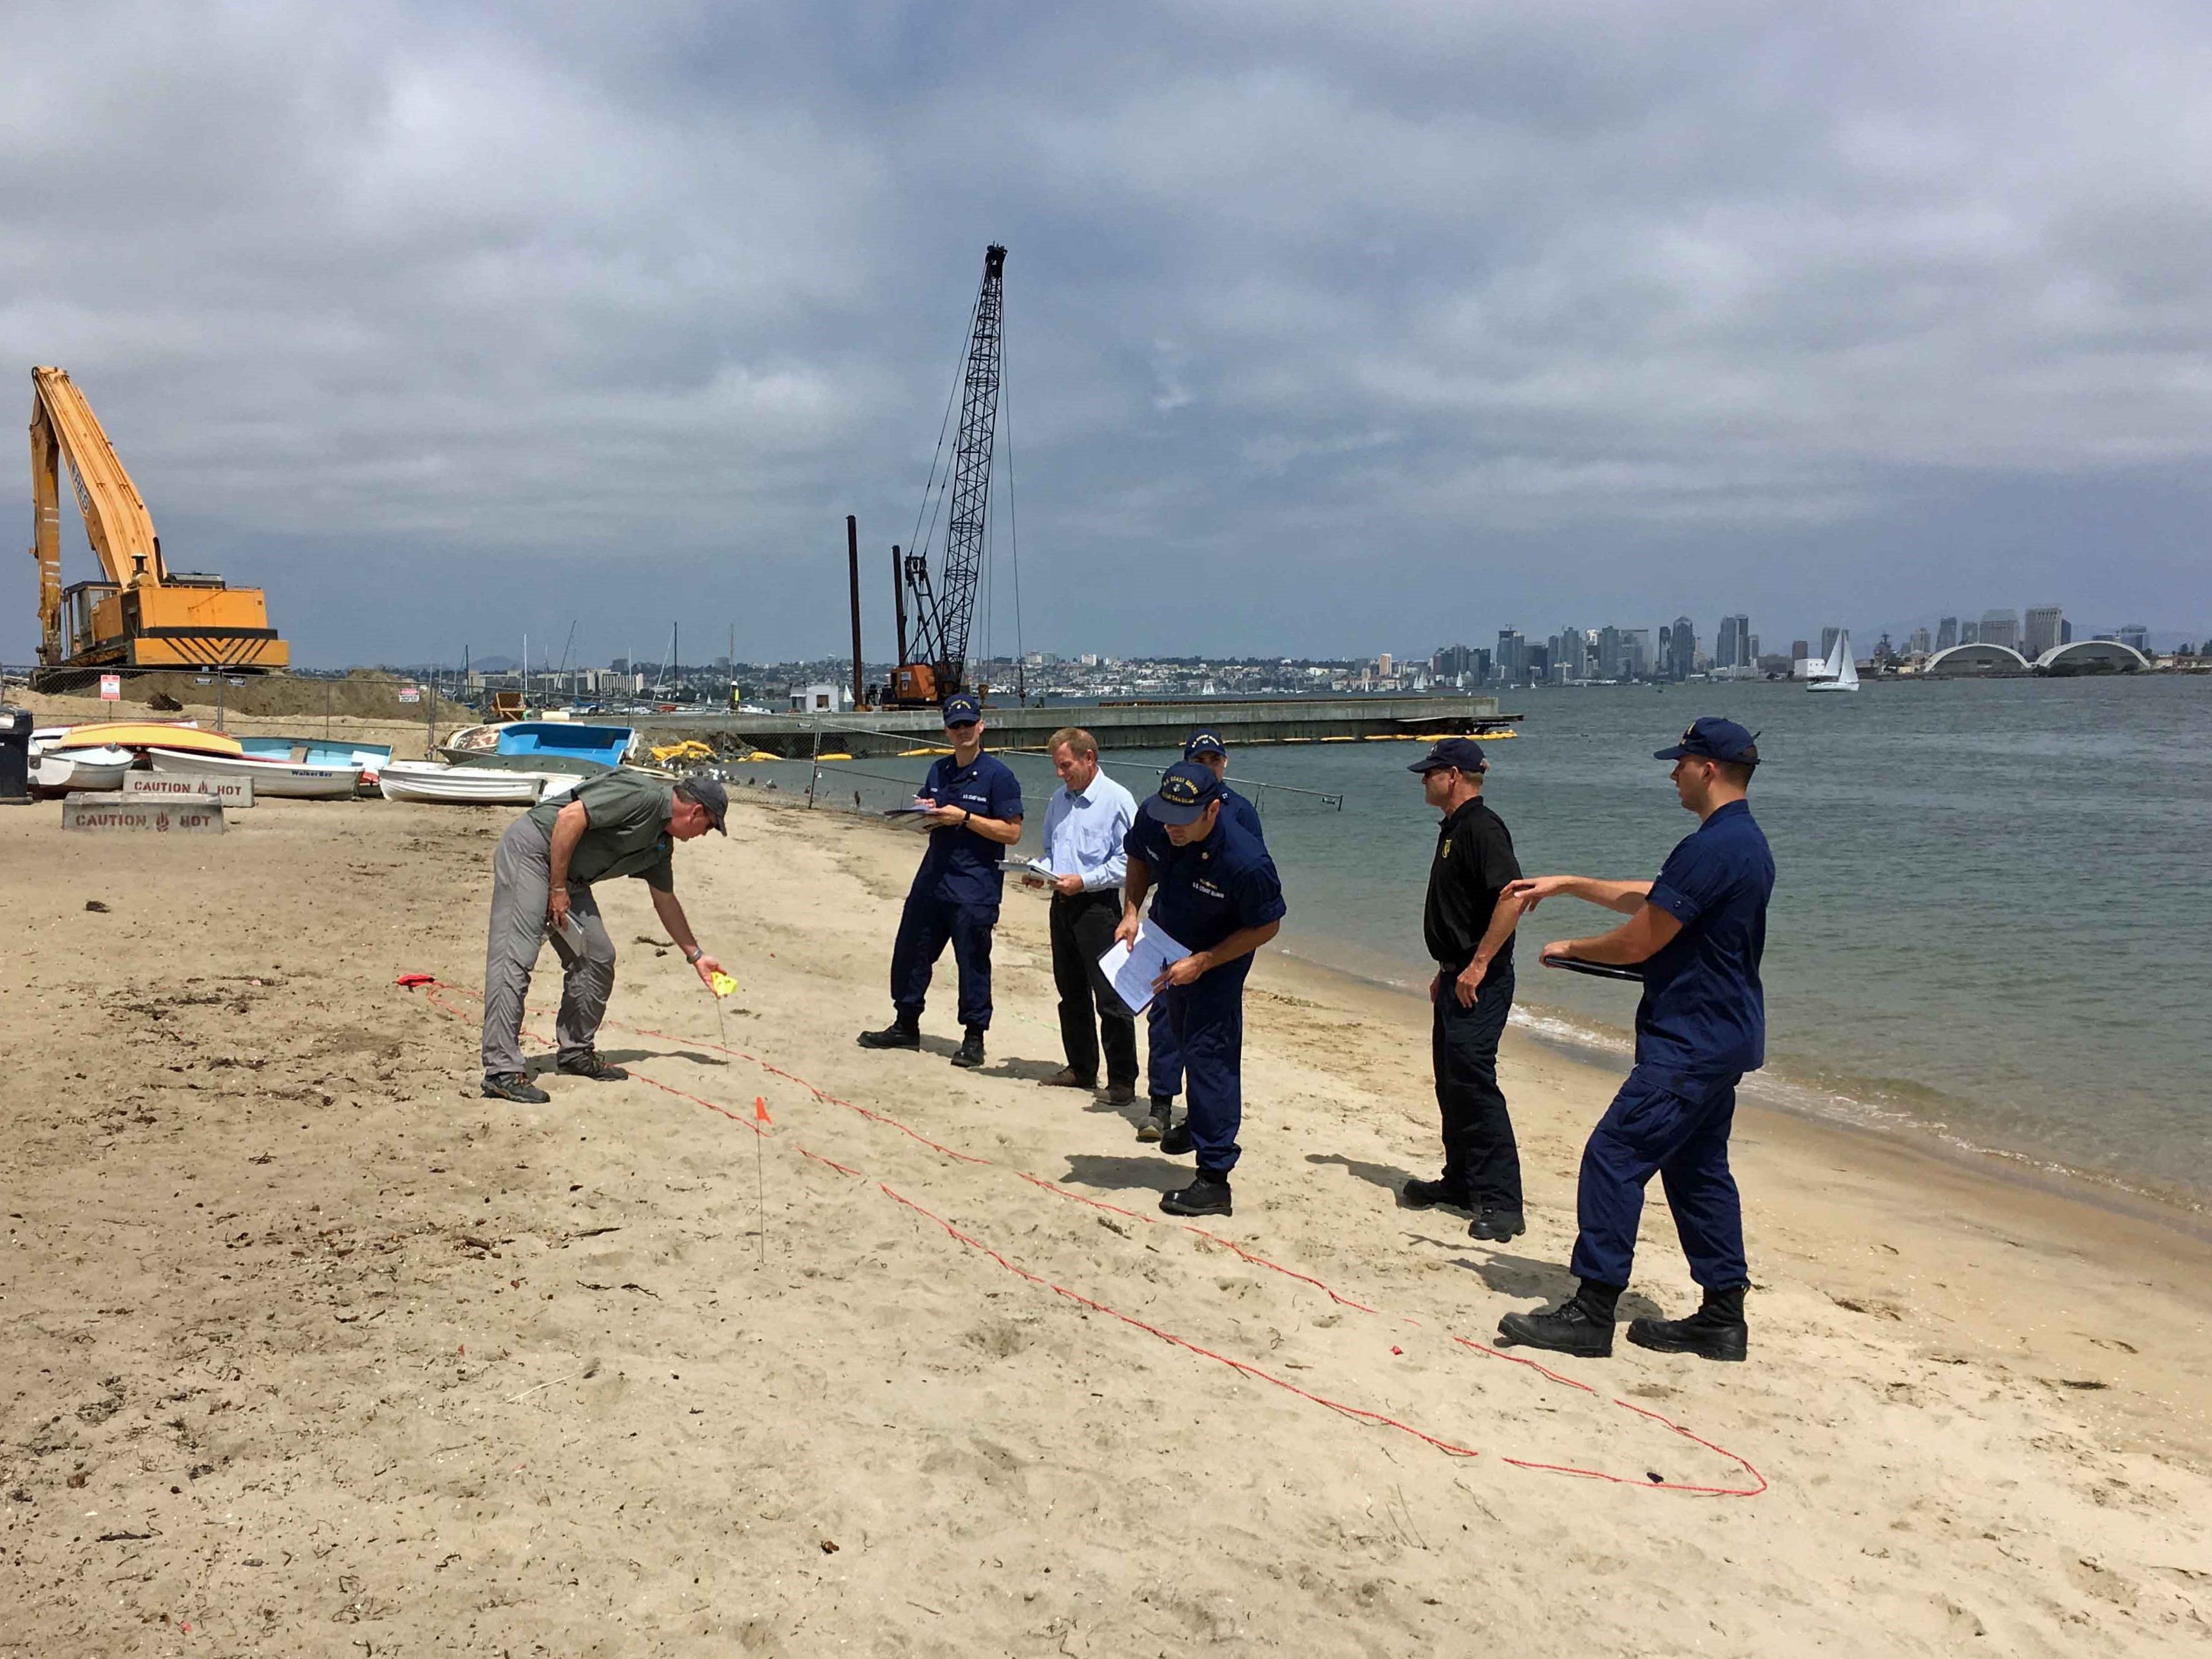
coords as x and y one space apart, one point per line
943 609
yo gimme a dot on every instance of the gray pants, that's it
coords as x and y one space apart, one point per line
521 876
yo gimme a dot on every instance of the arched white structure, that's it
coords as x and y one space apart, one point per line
1968 661
2092 657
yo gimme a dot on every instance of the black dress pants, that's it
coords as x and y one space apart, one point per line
1481 1156
1082 927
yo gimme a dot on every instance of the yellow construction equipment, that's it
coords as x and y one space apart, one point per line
144 615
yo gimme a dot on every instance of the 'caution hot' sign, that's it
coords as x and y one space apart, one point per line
152 817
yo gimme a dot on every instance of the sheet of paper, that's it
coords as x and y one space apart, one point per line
1132 969
1040 867
907 811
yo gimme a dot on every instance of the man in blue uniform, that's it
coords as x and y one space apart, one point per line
975 814
1163 1059
1698 931
1219 896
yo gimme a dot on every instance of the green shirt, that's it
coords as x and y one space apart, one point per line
626 828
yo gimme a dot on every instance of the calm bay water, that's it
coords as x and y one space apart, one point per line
1992 923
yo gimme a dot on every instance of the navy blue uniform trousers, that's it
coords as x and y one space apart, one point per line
1163 1058
1677 1128
1206 1017
925 926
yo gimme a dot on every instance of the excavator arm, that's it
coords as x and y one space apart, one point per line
144 616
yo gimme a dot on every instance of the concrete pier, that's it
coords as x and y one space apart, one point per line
1242 722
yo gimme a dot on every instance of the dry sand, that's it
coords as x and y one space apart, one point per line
307 1349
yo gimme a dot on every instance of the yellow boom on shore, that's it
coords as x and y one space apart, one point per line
144 615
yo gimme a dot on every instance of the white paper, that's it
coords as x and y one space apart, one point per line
1040 867
1131 970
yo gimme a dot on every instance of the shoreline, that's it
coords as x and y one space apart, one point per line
1768 1090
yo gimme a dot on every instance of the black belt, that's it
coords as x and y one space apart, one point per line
1059 897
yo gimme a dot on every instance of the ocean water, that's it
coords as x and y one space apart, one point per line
1992 923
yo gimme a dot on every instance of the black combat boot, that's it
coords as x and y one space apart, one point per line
971 1051
1716 1331
1429 1195
1497 1225
1208 1195
1582 1326
1155 1126
1176 1142
903 1032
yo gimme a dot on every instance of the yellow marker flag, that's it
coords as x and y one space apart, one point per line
724 986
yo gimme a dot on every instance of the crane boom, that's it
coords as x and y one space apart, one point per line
945 610
143 615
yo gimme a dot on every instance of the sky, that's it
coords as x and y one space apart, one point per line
1330 329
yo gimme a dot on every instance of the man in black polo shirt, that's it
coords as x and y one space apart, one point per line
1468 926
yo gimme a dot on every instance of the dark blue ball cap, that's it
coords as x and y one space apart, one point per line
1464 753
1203 742
961 708
1186 790
1714 738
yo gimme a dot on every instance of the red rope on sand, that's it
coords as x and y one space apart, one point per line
433 986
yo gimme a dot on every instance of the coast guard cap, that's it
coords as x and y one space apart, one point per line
1185 791
1464 753
1714 738
1203 742
710 795
961 708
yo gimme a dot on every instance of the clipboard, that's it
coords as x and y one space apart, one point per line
1131 971
1595 969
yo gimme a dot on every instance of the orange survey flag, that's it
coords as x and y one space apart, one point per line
760 1110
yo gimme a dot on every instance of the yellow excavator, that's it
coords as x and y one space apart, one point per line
144 615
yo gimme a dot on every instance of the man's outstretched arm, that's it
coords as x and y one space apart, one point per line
1625 896
665 906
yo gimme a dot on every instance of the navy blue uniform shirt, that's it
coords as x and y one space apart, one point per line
960 866
1241 813
1704 1013
1208 890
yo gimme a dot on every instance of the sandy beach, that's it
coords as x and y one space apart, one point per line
306 1348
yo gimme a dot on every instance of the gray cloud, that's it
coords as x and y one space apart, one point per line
1328 329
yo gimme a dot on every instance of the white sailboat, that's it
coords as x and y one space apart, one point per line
1840 673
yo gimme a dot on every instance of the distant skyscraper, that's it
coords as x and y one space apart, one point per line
1947 632
1917 643
1678 649
1799 650
1828 642
1608 652
1382 665
2001 627
1635 653
2134 634
2044 622
1512 665
1970 632
1732 648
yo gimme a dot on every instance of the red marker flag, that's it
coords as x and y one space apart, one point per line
760 1110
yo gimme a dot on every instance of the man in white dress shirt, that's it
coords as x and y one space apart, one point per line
1083 830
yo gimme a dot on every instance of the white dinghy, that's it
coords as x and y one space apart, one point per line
56 771
270 777
469 785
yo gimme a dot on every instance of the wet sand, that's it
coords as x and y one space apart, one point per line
309 1348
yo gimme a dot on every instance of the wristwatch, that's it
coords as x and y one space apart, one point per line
693 955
